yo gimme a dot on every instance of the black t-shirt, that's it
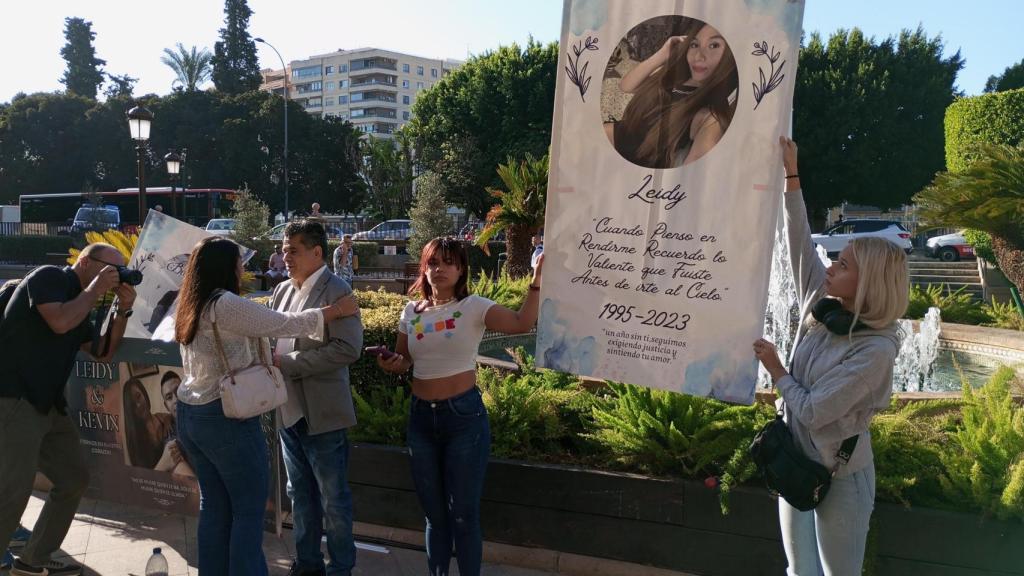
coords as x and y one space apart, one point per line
36 361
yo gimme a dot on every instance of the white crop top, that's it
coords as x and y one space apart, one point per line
445 340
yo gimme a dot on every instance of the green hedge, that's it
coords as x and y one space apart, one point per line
990 118
32 249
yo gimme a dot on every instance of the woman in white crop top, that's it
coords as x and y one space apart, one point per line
449 436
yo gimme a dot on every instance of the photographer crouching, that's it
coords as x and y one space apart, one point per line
44 325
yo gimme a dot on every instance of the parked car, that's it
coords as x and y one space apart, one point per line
837 237
950 247
388 230
277 233
221 226
96 219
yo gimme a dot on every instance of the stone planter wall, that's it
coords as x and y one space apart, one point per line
674 524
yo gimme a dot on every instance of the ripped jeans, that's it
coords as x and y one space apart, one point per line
449 443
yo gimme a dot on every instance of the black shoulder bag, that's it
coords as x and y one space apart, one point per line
788 472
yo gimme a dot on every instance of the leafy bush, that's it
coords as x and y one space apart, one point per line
984 466
1004 315
982 243
956 306
380 312
503 290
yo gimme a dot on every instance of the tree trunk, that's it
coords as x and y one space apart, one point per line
1010 258
519 249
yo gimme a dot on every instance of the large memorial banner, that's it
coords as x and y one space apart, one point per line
664 189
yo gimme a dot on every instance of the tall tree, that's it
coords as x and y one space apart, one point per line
869 116
119 86
1011 79
387 172
83 74
236 69
429 213
493 107
191 66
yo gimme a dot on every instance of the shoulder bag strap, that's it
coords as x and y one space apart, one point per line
845 452
216 338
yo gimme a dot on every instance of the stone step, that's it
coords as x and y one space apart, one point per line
964 264
942 279
944 273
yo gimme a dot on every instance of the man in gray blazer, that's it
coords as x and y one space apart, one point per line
319 408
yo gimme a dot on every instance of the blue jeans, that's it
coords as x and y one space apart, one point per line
830 539
317 468
231 462
449 443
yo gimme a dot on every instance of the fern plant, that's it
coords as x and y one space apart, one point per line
907 443
505 290
955 305
1004 315
383 414
539 414
985 466
664 432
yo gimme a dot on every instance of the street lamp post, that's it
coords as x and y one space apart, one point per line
284 72
173 161
139 120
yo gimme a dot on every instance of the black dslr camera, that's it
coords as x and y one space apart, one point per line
129 276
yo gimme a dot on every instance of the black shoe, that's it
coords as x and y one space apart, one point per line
48 568
296 571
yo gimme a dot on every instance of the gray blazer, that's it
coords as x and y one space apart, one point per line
317 372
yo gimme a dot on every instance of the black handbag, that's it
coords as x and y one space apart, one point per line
788 472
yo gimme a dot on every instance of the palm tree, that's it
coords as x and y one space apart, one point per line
193 67
519 212
987 196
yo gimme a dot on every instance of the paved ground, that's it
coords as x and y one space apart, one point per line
116 540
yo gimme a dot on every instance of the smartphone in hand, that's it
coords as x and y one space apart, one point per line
380 351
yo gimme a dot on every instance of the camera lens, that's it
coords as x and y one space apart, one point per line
129 276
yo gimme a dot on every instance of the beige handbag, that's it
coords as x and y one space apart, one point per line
252 390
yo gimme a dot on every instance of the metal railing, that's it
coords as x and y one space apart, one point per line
33 229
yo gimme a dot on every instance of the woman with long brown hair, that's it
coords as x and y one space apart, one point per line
684 97
229 456
449 436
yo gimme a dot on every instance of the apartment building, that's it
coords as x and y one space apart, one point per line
372 88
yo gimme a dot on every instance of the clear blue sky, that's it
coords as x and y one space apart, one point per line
985 31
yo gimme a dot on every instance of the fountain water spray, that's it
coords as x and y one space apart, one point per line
912 370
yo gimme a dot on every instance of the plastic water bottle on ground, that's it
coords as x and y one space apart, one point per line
157 564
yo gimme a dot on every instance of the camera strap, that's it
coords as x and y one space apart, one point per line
99 336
